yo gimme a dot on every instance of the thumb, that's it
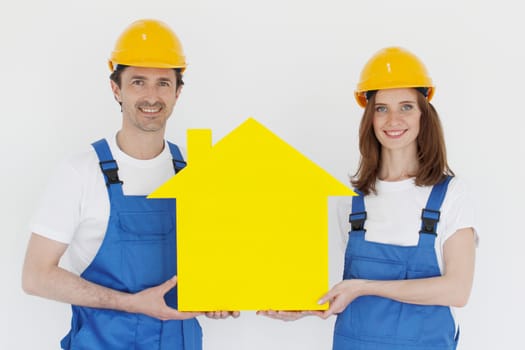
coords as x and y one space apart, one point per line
169 284
325 298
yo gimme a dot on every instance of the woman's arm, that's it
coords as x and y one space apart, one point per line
451 289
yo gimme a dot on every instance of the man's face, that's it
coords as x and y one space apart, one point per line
148 96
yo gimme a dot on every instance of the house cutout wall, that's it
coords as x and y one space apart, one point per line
252 223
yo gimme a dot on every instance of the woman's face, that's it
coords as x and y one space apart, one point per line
396 118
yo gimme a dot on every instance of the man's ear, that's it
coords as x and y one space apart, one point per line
178 91
116 91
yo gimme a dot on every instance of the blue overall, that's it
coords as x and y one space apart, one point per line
376 323
138 252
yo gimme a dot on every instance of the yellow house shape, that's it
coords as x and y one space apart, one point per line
252 223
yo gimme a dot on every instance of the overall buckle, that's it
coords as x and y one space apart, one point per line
429 219
178 165
357 220
110 169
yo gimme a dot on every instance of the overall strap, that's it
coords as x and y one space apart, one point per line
358 216
109 167
431 213
178 160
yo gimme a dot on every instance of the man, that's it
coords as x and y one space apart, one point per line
122 246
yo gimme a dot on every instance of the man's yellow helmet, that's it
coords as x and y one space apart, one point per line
148 43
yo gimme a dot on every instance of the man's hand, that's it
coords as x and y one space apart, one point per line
151 302
222 314
43 277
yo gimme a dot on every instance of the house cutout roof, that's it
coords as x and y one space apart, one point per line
252 223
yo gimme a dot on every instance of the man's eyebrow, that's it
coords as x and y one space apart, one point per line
143 77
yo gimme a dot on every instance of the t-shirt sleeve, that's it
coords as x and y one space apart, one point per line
58 213
460 210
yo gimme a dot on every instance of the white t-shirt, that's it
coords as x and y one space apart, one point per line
394 213
75 207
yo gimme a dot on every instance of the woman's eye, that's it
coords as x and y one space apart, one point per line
406 107
381 109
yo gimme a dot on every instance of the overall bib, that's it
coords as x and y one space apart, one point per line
138 252
376 323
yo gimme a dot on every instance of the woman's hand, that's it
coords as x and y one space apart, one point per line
289 315
342 294
339 297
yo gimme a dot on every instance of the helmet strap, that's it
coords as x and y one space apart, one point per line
423 90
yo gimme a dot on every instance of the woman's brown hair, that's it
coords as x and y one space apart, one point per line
431 149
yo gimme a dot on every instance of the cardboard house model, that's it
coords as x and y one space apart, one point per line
252 223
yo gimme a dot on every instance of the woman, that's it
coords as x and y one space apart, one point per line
410 254
411 244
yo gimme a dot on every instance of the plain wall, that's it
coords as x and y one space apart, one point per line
293 65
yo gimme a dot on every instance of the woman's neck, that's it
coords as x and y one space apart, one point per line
397 165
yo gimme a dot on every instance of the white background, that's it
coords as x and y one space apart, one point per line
292 65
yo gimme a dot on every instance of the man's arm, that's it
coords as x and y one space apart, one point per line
43 277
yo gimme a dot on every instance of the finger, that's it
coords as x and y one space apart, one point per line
218 314
275 316
268 313
286 315
185 315
329 312
169 284
264 312
313 313
172 314
211 314
316 313
294 315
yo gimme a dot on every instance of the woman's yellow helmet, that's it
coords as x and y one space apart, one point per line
393 67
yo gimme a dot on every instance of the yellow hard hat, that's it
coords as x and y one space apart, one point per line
148 43
393 67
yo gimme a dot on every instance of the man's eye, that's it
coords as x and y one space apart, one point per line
137 82
165 83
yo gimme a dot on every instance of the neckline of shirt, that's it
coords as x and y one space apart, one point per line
394 186
120 156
